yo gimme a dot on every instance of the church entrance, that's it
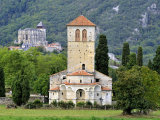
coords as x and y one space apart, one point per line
80 95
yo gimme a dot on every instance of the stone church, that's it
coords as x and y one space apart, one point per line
81 82
33 37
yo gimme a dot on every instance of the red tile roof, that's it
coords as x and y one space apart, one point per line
54 89
81 21
80 73
106 89
66 83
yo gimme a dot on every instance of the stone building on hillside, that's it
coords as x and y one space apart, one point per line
31 37
81 82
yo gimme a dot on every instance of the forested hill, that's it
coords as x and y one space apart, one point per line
135 21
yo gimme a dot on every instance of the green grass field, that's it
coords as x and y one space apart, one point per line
44 114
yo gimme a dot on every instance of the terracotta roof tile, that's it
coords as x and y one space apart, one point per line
66 83
54 89
80 73
81 21
106 89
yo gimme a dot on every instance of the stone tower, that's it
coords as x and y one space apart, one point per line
81 45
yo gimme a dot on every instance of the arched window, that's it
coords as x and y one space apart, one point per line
84 35
83 66
77 35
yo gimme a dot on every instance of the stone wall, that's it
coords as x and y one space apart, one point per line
8 100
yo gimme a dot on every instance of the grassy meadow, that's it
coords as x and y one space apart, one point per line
50 114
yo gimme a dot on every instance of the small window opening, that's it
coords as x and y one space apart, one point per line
97 80
80 94
62 93
97 94
69 81
26 37
91 81
106 94
53 93
80 81
64 77
83 66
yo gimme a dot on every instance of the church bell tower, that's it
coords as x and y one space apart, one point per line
81 45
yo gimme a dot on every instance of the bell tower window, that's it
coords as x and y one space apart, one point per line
84 35
83 66
77 35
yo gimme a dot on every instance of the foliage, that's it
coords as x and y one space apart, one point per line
38 103
30 105
150 64
41 85
80 104
156 61
2 83
20 88
137 88
125 54
140 57
113 74
54 103
101 57
132 60
88 104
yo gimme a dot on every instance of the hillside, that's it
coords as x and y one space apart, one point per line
135 21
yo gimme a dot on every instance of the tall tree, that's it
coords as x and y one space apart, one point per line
132 60
140 57
21 88
156 61
101 57
137 88
2 83
150 65
125 54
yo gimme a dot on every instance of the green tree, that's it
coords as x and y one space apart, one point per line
125 54
137 88
132 60
101 57
41 85
140 57
150 65
156 61
2 83
21 88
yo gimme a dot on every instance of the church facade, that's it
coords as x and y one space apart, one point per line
81 82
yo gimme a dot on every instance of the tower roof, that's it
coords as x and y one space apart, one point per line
81 21
40 25
80 73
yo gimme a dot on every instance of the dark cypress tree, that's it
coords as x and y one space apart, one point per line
101 57
156 61
150 65
140 57
2 83
125 54
21 89
132 60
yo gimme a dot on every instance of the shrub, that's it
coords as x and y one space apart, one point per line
62 104
38 103
88 104
30 105
54 103
70 104
11 106
80 104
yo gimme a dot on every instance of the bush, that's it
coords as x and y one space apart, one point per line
54 103
38 103
30 105
62 104
11 106
88 104
80 104
70 104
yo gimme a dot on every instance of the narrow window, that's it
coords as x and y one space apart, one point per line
62 93
26 37
97 80
83 66
91 81
97 94
80 93
77 35
84 35
80 81
69 81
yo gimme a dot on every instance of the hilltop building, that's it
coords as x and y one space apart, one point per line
81 82
31 37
